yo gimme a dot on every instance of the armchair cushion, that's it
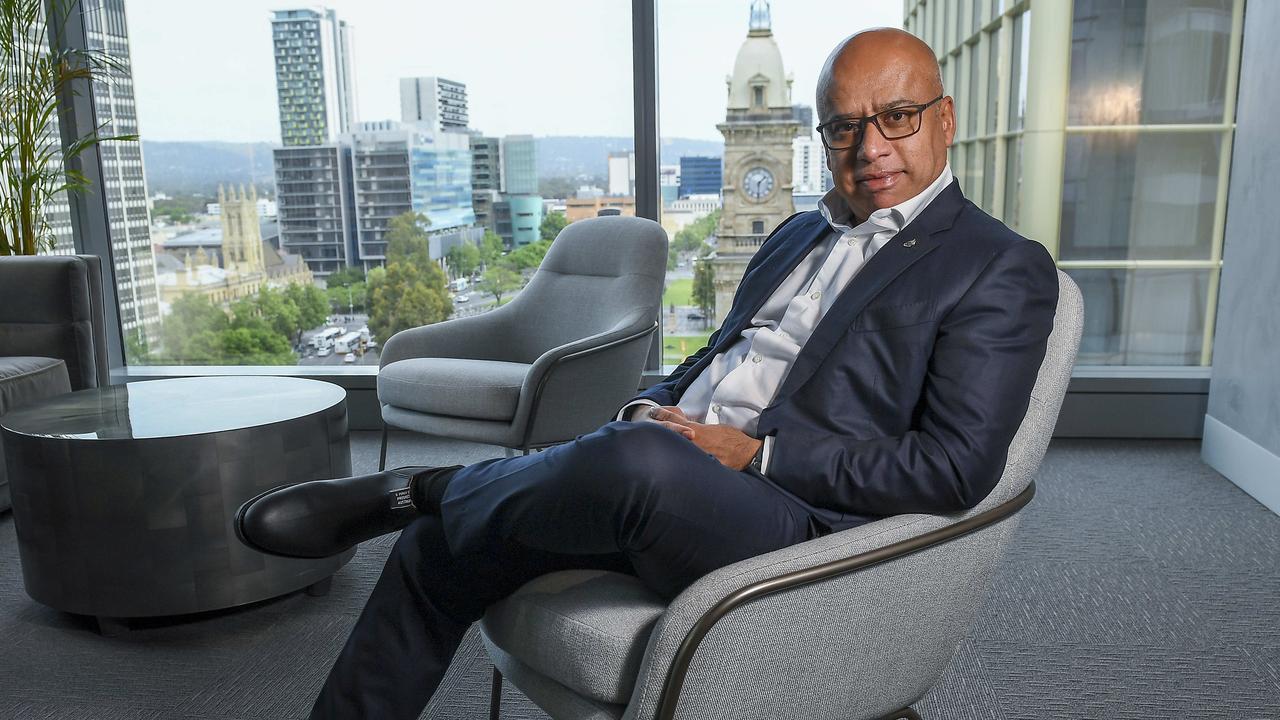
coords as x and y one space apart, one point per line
585 629
477 389
27 379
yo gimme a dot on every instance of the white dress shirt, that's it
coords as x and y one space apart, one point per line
740 382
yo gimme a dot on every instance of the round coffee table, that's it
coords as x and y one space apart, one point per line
124 496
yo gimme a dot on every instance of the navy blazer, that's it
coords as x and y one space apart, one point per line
909 391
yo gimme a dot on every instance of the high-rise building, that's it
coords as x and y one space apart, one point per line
399 168
315 85
519 165
758 130
700 175
669 183
809 170
434 101
316 205
1104 131
124 183
622 173
804 118
519 219
486 178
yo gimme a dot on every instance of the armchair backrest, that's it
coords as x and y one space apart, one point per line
600 274
52 306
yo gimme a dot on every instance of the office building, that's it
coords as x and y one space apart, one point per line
518 219
700 175
519 165
622 173
315 85
124 183
399 168
486 178
580 208
434 101
316 205
669 183
803 115
809 166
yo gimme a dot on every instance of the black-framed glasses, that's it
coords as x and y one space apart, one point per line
894 124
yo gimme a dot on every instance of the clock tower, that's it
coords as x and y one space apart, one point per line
758 129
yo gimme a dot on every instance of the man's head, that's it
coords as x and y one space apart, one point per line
868 73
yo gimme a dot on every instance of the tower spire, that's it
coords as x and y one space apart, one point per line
760 17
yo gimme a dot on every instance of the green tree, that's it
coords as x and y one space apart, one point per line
272 308
313 304
527 257
491 248
704 286
190 331
344 277
136 348
256 345
407 239
552 224
692 237
406 296
353 297
463 259
498 281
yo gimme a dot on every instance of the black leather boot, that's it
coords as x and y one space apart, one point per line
325 517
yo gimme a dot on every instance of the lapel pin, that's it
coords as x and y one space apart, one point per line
909 243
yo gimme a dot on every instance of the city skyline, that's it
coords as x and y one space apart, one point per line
577 87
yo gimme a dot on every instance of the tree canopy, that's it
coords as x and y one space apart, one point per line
412 290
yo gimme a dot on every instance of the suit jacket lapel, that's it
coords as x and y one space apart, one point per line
912 243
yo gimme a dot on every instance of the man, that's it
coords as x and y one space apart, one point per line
878 358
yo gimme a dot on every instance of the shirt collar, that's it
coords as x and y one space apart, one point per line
839 215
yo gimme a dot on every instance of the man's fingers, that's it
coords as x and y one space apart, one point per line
684 430
667 416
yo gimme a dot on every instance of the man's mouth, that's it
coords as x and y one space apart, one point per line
879 180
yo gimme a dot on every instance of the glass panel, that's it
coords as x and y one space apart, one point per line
989 175
993 81
1012 181
1019 57
975 16
972 92
278 188
1141 62
1143 196
973 172
734 176
952 24
1142 317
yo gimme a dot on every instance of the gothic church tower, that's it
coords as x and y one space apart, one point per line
241 236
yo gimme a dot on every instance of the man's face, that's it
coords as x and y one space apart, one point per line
878 173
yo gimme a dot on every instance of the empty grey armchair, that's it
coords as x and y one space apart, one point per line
856 624
52 333
555 362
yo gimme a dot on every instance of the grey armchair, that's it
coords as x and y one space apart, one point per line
856 624
52 333
555 362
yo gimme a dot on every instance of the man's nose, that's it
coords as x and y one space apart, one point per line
873 144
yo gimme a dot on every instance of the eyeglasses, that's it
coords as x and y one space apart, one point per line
894 124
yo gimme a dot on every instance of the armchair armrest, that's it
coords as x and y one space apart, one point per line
888 552
478 336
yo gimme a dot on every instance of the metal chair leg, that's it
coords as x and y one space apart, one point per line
495 695
382 456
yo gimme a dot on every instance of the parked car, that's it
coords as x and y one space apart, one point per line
324 352
349 358
461 298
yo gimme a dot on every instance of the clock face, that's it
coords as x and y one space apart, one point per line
758 182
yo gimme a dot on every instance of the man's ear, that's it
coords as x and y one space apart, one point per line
947 114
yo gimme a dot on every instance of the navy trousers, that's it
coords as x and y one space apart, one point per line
629 497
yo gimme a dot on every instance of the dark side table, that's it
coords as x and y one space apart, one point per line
124 496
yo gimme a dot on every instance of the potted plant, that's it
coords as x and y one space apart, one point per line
37 72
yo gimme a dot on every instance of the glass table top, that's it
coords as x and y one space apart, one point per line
173 408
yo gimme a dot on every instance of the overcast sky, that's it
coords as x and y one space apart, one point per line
204 71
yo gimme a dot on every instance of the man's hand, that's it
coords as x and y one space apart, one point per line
732 447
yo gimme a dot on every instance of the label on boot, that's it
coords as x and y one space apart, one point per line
401 499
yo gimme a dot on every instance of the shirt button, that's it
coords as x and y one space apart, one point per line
853 241
757 358
816 294
715 408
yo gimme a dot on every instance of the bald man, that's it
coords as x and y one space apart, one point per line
878 358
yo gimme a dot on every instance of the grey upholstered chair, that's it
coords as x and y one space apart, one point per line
555 362
52 332
857 624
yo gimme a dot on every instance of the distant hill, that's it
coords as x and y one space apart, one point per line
183 168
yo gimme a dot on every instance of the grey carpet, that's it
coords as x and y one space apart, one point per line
1141 584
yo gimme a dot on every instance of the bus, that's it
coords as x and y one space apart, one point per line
347 343
325 337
